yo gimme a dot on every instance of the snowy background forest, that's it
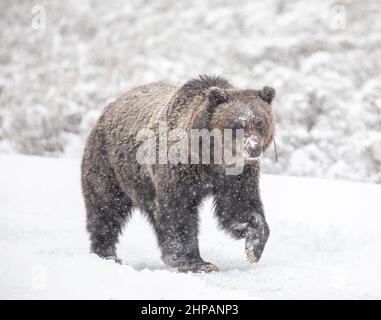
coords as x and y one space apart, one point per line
323 58
61 62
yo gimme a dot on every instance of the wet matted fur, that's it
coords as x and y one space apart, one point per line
114 182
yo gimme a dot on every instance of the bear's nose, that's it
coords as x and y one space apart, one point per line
252 149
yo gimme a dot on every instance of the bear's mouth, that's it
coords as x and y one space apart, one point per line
250 158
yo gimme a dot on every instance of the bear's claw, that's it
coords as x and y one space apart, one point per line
199 267
208 267
252 252
251 257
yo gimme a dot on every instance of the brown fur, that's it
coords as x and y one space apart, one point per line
114 182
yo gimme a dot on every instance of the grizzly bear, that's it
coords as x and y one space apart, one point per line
114 181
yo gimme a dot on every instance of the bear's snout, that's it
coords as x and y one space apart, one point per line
252 149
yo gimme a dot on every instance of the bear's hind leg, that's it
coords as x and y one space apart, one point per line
107 207
105 222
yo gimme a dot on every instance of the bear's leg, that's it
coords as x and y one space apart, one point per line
243 218
177 231
108 208
105 221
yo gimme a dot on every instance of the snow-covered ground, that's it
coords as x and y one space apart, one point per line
325 243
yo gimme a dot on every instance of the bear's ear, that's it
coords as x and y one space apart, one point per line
216 96
267 94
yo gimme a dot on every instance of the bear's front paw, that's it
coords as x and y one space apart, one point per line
255 243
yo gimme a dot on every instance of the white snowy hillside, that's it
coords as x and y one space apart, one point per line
58 70
325 243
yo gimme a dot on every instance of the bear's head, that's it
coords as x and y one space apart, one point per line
248 112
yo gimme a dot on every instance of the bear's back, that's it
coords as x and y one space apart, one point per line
138 108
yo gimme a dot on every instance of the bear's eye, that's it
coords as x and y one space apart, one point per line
260 125
237 125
